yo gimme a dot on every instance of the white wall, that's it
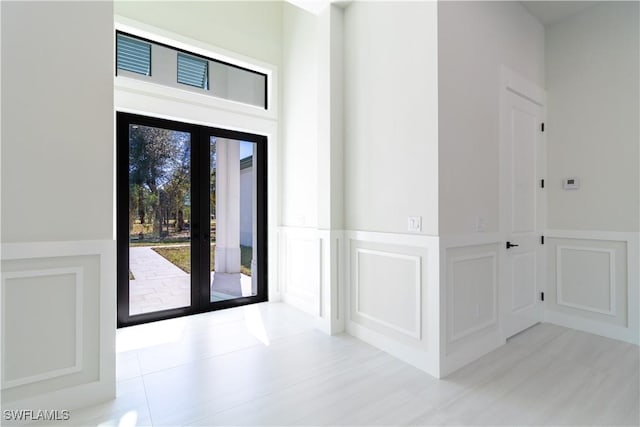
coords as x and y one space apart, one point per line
246 27
593 85
331 119
390 173
299 117
57 123
391 116
475 39
58 263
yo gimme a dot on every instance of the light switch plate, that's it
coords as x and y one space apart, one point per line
481 224
414 223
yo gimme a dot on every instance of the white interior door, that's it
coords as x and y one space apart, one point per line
521 213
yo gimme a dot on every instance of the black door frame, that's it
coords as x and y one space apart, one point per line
200 231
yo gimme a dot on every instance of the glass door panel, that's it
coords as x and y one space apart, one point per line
233 219
159 219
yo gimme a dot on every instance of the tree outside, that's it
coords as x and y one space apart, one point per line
160 195
159 185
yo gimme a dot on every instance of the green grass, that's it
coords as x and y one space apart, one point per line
180 256
151 242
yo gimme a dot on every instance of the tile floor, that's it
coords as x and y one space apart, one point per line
265 365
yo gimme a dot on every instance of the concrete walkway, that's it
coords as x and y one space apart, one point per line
160 285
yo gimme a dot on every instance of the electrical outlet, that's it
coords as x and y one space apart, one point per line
414 223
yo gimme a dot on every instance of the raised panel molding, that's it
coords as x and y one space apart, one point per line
78 285
453 305
619 252
523 301
417 259
310 273
85 270
416 331
302 265
560 279
331 279
470 340
297 248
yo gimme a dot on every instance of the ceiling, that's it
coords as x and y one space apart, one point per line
551 12
548 12
312 6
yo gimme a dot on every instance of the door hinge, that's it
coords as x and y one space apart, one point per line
542 183
542 127
541 296
542 240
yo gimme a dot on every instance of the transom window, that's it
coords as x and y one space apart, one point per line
159 63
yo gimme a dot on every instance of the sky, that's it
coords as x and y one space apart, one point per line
246 149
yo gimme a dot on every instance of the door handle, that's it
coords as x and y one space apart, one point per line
511 245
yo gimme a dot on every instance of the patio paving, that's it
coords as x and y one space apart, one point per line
160 285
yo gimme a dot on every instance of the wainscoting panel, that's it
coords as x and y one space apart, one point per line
301 256
310 273
387 289
524 274
332 285
51 294
473 289
58 323
592 282
469 280
393 295
586 279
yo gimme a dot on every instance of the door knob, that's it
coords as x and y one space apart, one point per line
511 245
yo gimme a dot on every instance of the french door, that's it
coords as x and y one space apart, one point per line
191 218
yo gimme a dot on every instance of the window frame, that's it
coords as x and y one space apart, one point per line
204 57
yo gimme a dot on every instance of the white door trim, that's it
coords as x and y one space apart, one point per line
512 81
